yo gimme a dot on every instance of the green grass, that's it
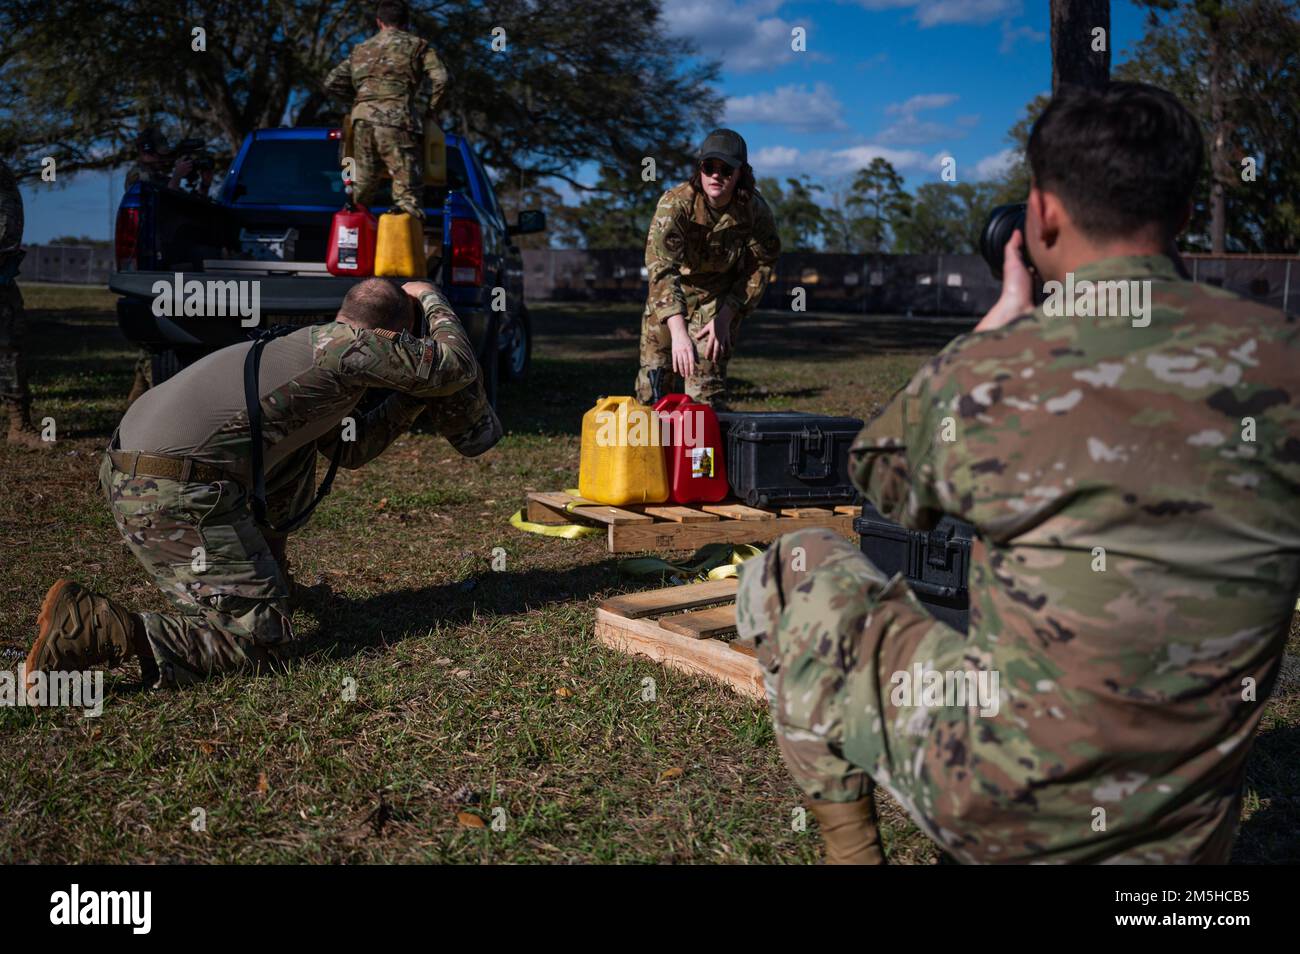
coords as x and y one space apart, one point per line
457 669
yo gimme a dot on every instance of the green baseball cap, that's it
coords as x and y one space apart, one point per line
727 145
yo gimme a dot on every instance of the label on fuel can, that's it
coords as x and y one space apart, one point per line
701 461
348 243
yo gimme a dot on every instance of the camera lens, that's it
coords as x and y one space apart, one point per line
1002 224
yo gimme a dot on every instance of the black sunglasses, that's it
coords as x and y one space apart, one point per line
711 167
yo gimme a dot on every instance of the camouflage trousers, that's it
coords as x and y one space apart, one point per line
708 385
832 633
13 373
376 148
203 549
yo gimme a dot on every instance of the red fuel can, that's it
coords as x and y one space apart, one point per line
352 242
693 451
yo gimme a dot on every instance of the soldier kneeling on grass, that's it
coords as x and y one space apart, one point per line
1133 478
182 478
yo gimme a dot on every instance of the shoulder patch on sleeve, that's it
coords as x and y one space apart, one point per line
426 361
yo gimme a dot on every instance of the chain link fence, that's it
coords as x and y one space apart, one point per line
77 264
881 284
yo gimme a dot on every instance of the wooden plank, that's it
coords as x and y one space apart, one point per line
543 509
704 657
681 514
737 511
703 624
853 510
613 516
671 599
557 503
663 535
745 646
805 513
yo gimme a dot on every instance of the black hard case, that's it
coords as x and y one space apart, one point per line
936 563
789 457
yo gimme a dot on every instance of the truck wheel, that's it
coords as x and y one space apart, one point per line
517 348
165 365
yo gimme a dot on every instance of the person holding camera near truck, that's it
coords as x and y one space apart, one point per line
709 255
1132 476
210 470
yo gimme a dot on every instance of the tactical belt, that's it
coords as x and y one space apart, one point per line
184 469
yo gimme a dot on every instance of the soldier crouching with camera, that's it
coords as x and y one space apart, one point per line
1132 473
210 470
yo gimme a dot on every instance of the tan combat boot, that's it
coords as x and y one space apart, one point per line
21 429
849 831
77 629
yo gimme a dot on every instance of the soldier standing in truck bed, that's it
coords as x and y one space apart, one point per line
383 74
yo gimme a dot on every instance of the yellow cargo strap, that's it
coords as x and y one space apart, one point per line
569 531
713 561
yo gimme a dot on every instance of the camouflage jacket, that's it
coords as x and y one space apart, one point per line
329 367
11 211
383 74
1138 557
695 255
159 177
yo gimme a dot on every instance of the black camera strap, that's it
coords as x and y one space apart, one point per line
253 402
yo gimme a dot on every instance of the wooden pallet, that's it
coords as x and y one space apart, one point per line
691 628
635 527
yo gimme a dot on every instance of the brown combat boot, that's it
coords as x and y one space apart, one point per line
77 629
849 831
21 429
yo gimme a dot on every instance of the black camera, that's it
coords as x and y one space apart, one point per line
1002 224
197 152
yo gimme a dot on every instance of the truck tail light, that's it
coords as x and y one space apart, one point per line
466 252
126 239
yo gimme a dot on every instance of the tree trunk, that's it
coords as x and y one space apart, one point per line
1218 142
1073 58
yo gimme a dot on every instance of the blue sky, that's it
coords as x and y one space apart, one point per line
912 80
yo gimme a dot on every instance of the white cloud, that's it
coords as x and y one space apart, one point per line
795 107
743 34
922 101
910 130
774 160
990 167
939 12
1011 35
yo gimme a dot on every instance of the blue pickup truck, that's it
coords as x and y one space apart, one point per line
289 179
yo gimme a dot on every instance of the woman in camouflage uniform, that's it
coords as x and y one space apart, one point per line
709 256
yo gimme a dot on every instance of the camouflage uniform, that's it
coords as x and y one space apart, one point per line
1130 690
15 398
152 174
697 260
234 609
384 73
